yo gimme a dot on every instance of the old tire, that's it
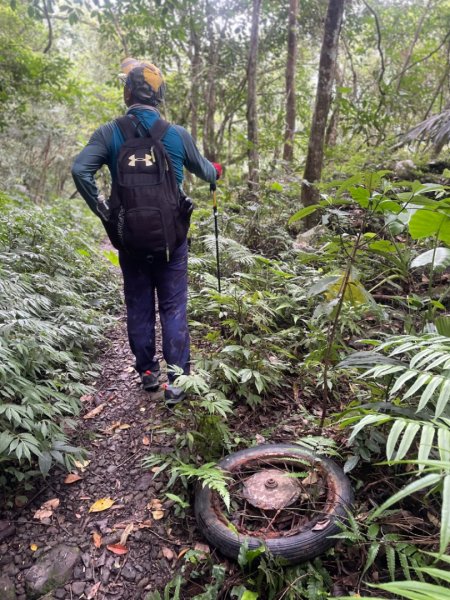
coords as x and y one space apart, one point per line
299 547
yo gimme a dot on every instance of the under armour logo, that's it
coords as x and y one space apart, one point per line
132 160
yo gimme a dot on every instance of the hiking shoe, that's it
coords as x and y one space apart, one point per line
150 380
173 395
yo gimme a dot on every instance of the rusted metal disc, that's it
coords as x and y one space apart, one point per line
271 489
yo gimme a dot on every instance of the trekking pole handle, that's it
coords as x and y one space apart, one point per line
213 188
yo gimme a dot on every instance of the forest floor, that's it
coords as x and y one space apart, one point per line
119 426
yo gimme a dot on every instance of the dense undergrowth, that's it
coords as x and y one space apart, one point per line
55 294
310 322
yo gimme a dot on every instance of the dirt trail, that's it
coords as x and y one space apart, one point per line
125 429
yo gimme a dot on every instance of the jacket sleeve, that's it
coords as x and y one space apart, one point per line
193 160
93 156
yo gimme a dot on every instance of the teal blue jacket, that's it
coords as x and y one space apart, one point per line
104 145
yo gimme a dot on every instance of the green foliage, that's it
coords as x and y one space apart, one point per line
53 292
206 474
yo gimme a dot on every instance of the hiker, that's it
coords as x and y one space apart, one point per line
147 270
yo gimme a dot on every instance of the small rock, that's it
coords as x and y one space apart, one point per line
6 530
78 587
106 572
60 594
7 589
144 482
143 582
86 559
128 572
52 570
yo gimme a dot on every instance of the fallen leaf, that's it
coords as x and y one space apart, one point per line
321 525
158 514
146 440
154 504
260 439
142 409
182 553
93 591
124 426
33 547
145 525
20 501
97 539
102 504
311 479
128 370
86 398
168 553
72 478
82 464
124 537
95 411
46 510
117 548
203 550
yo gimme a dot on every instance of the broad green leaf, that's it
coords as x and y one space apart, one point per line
411 488
384 246
322 285
416 590
443 325
445 516
426 223
443 399
436 573
425 444
429 391
407 440
420 381
112 256
368 420
303 212
438 257
407 375
394 434
276 187
444 443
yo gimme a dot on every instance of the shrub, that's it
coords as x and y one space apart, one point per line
54 291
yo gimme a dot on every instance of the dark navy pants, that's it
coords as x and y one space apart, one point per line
169 280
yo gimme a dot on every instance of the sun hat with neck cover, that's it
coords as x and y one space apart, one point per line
144 80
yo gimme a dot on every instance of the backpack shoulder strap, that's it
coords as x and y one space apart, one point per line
158 129
127 126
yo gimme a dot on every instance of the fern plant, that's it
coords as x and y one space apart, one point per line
53 290
207 474
413 373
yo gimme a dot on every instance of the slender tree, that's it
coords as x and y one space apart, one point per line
288 151
327 66
252 110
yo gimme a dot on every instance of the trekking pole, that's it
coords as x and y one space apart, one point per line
212 188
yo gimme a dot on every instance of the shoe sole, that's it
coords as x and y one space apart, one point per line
151 388
173 402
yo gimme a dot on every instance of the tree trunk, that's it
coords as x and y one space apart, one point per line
331 134
252 111
209 129
327 66
195 74
288 151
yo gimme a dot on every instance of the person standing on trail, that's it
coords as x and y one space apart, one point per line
140 231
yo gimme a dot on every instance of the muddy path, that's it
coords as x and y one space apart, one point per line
119 425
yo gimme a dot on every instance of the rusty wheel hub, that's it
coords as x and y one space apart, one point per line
271 489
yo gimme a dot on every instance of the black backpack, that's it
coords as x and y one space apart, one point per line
146 217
